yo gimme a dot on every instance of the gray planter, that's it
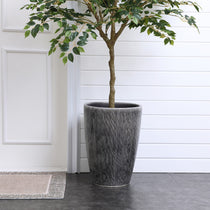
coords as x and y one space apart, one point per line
112 138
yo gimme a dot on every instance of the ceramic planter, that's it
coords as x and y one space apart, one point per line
112 138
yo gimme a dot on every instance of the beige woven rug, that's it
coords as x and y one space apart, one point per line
32 185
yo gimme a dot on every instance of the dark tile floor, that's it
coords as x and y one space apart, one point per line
146 192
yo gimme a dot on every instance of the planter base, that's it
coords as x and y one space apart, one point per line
107 186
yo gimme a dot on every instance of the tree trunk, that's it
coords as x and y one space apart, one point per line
112 77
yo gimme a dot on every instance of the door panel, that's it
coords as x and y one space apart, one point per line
33 100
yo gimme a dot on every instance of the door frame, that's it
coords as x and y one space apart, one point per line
73 98
73 117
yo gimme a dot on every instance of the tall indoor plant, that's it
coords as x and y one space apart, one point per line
111 128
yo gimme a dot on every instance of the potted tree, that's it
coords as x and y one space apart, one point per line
111 129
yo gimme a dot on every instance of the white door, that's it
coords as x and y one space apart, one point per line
33 110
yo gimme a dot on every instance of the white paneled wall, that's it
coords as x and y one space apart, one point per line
172 83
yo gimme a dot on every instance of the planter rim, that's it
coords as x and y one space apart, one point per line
119 106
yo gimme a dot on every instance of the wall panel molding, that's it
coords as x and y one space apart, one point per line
163 165
3 20
33 140
16 28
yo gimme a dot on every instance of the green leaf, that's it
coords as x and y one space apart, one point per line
74 27
172 42
27 33
41 28
149 31
68 33
64 47
50 51
23 7
129 16
35 18
137 16
31 23
94 35
143 29
71 57
73 35
85 35
57 30
65 59
35 30
166 41
135 20
76 51
196 7
26 27
42 7
164 23
81 43
66 40
46 26
150 6
62 54
146 20
81 49
60 24
156 33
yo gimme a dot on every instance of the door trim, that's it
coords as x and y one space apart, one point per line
73 110
73 117
37 141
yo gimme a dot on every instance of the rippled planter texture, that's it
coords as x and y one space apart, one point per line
112 136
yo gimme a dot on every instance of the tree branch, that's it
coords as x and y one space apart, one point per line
103 35
113 32
121 29
100 15
98 27
115 3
